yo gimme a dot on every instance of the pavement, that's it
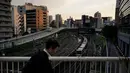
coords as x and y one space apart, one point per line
112 50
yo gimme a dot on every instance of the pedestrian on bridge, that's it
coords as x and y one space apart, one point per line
39 63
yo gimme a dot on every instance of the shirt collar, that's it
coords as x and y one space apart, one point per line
46 52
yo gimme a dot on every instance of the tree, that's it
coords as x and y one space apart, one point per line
110 32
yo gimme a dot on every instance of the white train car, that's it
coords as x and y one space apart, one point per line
80 50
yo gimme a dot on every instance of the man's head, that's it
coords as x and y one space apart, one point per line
51 45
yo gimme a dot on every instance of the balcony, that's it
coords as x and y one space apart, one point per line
6 35
5 14
6 30
5 25
5 3
6 19
5 9
72 64
21 17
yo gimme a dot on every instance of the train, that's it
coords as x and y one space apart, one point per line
80 50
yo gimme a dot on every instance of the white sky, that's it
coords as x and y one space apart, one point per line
75 8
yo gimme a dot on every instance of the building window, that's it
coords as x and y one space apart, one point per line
20 11
20 7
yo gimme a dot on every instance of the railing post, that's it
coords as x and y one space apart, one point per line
122 67
80 67
75 67
129 67
85 67
107 63
1 67
7 67
12 67
59 68
69 67
90 66
95 67
110 67
64 67
107 67
116 67
100 67
18 67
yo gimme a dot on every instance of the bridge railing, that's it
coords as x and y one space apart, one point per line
71 64
27 38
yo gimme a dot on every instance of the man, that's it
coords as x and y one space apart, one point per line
39 63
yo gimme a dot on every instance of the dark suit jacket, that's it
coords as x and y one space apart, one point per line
39 63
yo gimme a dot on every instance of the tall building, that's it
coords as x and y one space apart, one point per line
6 27
37 18
98 19
123 26
117 19
107 20
78 23
70 22
98 23
92 21
85 21
58 20
53 24
50 19
18 18
97 15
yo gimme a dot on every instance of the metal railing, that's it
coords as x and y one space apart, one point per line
71 64
125 30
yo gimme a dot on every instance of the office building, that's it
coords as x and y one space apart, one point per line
107 20
58 20
77 23
18 20
37 18
117 18
124 26
70 22
97 23
98 19
53 24
6 27
50 19
97 15
85 21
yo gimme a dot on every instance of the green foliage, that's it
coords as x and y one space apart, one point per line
100 40
110 32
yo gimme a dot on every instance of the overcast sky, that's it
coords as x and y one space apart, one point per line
75 8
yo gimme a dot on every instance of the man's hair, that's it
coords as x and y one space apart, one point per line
52 43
